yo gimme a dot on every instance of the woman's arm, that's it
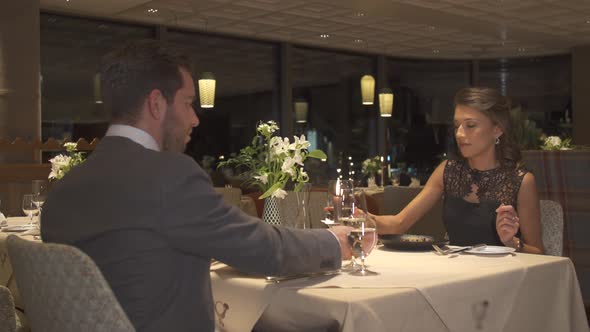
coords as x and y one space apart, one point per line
527 218
424 201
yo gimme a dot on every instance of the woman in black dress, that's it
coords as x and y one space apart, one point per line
488 196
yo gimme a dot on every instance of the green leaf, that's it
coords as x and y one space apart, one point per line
270 190
299 186
318 154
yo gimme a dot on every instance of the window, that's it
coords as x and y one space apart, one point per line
71 51
246 90
337 120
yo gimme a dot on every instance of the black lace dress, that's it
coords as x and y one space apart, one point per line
471 198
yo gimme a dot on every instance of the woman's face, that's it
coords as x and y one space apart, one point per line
475 133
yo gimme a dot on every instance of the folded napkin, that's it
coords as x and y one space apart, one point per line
35 231
2 220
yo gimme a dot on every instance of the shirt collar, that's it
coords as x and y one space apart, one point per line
135 134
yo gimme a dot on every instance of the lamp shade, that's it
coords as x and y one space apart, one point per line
386 102
207 90
301 107
368 89
96 89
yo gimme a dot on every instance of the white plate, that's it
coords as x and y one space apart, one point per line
16 228
490 250
329 222
19 220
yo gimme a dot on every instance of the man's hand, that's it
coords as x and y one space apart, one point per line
341 233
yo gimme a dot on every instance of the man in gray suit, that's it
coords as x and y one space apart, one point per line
148 215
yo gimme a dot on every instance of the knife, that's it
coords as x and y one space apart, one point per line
454 251
276 279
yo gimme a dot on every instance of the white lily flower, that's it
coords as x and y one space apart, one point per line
60 160
287 166
279 146
303 176
279 193
267 128
71 145
299 143
298 158
262 178
553 141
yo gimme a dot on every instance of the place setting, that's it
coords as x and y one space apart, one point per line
480 249
31 206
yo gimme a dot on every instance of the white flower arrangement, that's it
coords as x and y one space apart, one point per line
61 164
271 161
371 166
555 143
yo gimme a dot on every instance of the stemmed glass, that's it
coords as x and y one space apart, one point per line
363 237
334 204
39 193
339 195
29 207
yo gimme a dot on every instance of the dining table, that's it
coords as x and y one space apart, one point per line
413 291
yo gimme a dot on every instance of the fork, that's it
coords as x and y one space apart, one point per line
457 250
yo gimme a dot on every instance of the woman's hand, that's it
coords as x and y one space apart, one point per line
507 224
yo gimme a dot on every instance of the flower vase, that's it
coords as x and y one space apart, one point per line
271 213
303 218
371 183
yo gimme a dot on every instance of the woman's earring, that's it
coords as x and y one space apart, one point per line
497 140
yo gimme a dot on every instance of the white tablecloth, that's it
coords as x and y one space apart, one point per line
413 292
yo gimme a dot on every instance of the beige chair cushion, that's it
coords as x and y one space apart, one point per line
552 227
7 314
317 202
396 198
63 290
232 196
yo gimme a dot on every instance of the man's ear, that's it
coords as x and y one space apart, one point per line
156 104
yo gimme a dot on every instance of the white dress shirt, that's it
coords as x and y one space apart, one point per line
135 134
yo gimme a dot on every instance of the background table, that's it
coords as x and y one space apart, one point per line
7 275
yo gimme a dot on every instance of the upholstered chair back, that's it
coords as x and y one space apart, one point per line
63 290
552 226
7 314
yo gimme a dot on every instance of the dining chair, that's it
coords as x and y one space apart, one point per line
7 313
291 211
395 198
552 227
63 290
232 196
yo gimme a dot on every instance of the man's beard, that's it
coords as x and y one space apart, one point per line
171 139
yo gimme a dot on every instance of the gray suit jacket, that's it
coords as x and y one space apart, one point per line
151 221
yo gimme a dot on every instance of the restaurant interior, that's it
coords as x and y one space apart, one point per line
367 81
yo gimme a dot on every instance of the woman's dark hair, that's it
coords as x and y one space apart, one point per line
496 108
129 74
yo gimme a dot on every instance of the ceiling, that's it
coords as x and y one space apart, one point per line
446 29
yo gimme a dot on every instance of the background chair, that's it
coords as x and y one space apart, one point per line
314 213
230 195
552 227
396 198
63 290
7 314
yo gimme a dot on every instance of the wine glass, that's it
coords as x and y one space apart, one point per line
343 212
29 208
335 189
363 237
39 192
